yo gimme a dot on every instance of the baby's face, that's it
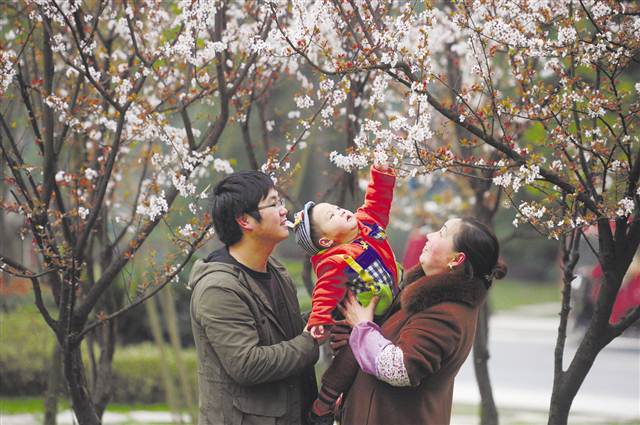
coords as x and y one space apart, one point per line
334 223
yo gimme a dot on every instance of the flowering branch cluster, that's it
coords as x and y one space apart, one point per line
548 86
112 112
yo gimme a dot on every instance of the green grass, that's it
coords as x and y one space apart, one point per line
35 405
510 294
16 405
124 408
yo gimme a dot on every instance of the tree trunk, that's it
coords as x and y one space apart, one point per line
488 411
615 256
165 373
169 309
570 381
80 398
103 385
54 387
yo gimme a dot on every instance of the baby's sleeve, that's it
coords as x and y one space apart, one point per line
328 291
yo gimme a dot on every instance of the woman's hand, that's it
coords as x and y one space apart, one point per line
354 313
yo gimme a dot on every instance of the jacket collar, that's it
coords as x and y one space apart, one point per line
202 269
423 291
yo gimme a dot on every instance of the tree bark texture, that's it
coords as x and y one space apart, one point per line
55 386
80 398
488 410
103 384
171 319
165 373
614 255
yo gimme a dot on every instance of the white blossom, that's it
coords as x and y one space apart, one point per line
222 166
270 124
90 173
185 230
600 9
7 69
566 35
303 102
154 206
348 162
625 207
83 212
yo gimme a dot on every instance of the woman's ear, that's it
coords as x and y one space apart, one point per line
325 242
458 259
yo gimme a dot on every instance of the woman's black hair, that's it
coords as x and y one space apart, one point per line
482 250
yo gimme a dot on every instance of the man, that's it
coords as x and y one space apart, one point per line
255 361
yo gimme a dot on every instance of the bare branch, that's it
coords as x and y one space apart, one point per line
194 246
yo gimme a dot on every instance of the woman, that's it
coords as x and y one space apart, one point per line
408 365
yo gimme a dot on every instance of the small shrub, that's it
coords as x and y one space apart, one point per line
137 373
25 353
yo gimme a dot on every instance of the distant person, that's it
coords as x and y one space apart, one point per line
628 296
408 365
413 248
349 251
255 361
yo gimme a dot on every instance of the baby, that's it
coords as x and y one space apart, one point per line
349 252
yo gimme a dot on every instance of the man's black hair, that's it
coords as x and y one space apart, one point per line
237 194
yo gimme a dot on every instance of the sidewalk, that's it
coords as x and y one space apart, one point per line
527 335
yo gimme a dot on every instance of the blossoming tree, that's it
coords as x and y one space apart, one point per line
111 116
561 73
99 95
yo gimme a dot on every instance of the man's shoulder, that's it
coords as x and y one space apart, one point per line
207 274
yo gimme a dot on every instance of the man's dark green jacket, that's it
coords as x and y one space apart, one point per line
249 370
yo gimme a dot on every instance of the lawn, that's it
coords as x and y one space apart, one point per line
509 294
17 405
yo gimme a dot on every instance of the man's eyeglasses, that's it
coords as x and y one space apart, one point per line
279 203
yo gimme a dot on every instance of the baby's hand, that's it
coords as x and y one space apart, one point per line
381 165
317 332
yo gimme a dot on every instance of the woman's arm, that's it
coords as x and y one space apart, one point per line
378 356
425 341
375 354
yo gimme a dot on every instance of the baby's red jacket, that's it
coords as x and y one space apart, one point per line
329 265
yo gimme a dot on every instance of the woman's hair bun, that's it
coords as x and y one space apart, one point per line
499 270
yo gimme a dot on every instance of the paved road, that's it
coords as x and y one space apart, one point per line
521 370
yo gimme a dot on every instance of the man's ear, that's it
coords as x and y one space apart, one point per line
244 222
458 259
325 242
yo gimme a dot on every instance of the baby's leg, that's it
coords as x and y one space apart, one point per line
337 379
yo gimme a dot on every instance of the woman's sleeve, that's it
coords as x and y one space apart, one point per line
424 342
377 356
